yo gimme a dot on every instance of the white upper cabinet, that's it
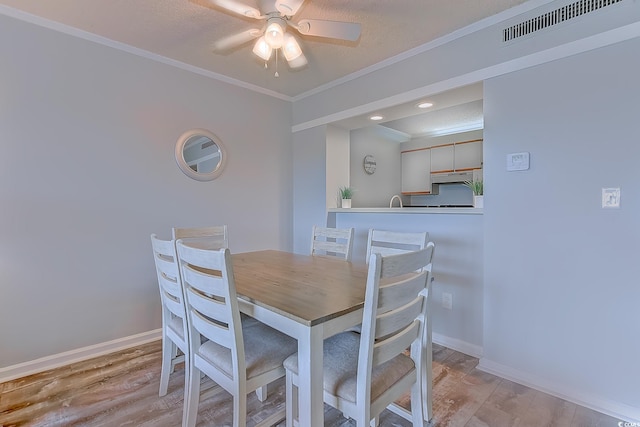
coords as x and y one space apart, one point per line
468 155
442 158
416 171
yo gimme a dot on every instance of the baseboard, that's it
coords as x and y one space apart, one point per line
56 360
457 345
601 404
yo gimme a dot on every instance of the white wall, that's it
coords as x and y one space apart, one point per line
87 173
374 190
337 169
561 281
309 185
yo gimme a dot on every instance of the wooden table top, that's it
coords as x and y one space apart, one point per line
307 289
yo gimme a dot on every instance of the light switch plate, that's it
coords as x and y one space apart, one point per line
518 161
611 197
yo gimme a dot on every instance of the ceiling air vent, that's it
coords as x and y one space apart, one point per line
554 17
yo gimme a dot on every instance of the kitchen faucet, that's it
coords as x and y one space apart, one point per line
393 198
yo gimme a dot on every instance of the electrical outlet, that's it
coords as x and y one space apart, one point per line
447 300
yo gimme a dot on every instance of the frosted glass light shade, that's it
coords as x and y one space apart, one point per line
291 48
300 61
274 35
262 49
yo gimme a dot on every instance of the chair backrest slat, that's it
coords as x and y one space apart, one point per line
393 296
212 237
336 242
389 348
392 321
395 242
213 331
164 254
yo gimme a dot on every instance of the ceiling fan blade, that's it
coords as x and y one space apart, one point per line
288 7
235 7
332 29
236 40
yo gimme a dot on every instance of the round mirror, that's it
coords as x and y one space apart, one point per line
200 154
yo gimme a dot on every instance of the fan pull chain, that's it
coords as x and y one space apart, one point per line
276 74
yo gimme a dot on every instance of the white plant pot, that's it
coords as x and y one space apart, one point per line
478 202
346 203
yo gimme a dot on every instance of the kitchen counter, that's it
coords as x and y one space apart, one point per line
461 211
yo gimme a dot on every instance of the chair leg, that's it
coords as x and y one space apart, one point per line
416 406
291 400
261 392
187 369
190 413
165 370
240 409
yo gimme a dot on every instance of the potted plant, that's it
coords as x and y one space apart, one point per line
345 194
477 187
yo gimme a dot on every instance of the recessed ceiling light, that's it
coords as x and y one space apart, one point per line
425 105
376 118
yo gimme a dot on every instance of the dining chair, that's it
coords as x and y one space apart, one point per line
212 237
335 242
394 242
365 373
174 319
239 358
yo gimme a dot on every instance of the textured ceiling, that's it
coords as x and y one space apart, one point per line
184 30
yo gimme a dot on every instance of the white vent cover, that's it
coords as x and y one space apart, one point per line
554 17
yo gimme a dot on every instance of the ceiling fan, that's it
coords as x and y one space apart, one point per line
273 35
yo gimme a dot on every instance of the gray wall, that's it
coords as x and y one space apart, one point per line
309 185
374 190
561 273
87 173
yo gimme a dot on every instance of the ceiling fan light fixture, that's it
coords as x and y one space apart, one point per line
298 62
274 35
262 49
291 48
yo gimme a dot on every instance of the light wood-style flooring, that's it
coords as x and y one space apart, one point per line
121 389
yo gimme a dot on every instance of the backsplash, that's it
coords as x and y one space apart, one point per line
449 194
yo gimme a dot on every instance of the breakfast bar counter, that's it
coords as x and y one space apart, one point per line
409 210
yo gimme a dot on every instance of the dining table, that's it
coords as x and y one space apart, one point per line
308 298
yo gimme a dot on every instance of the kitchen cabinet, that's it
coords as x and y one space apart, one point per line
467 155
442 158
416 171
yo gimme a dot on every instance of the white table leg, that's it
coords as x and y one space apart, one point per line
311 405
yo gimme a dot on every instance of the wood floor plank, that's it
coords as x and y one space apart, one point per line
548 411
505 406
121 390
585 417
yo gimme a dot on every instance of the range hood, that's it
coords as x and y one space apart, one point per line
451 177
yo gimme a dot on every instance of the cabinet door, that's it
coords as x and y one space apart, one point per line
416 173
468 155
442 158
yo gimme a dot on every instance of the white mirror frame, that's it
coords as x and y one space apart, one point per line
182 164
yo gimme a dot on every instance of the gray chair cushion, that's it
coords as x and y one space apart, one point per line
265 349
341 367
175 324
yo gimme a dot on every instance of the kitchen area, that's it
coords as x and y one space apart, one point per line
407 178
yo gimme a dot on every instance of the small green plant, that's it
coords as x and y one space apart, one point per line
346 192
476 186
